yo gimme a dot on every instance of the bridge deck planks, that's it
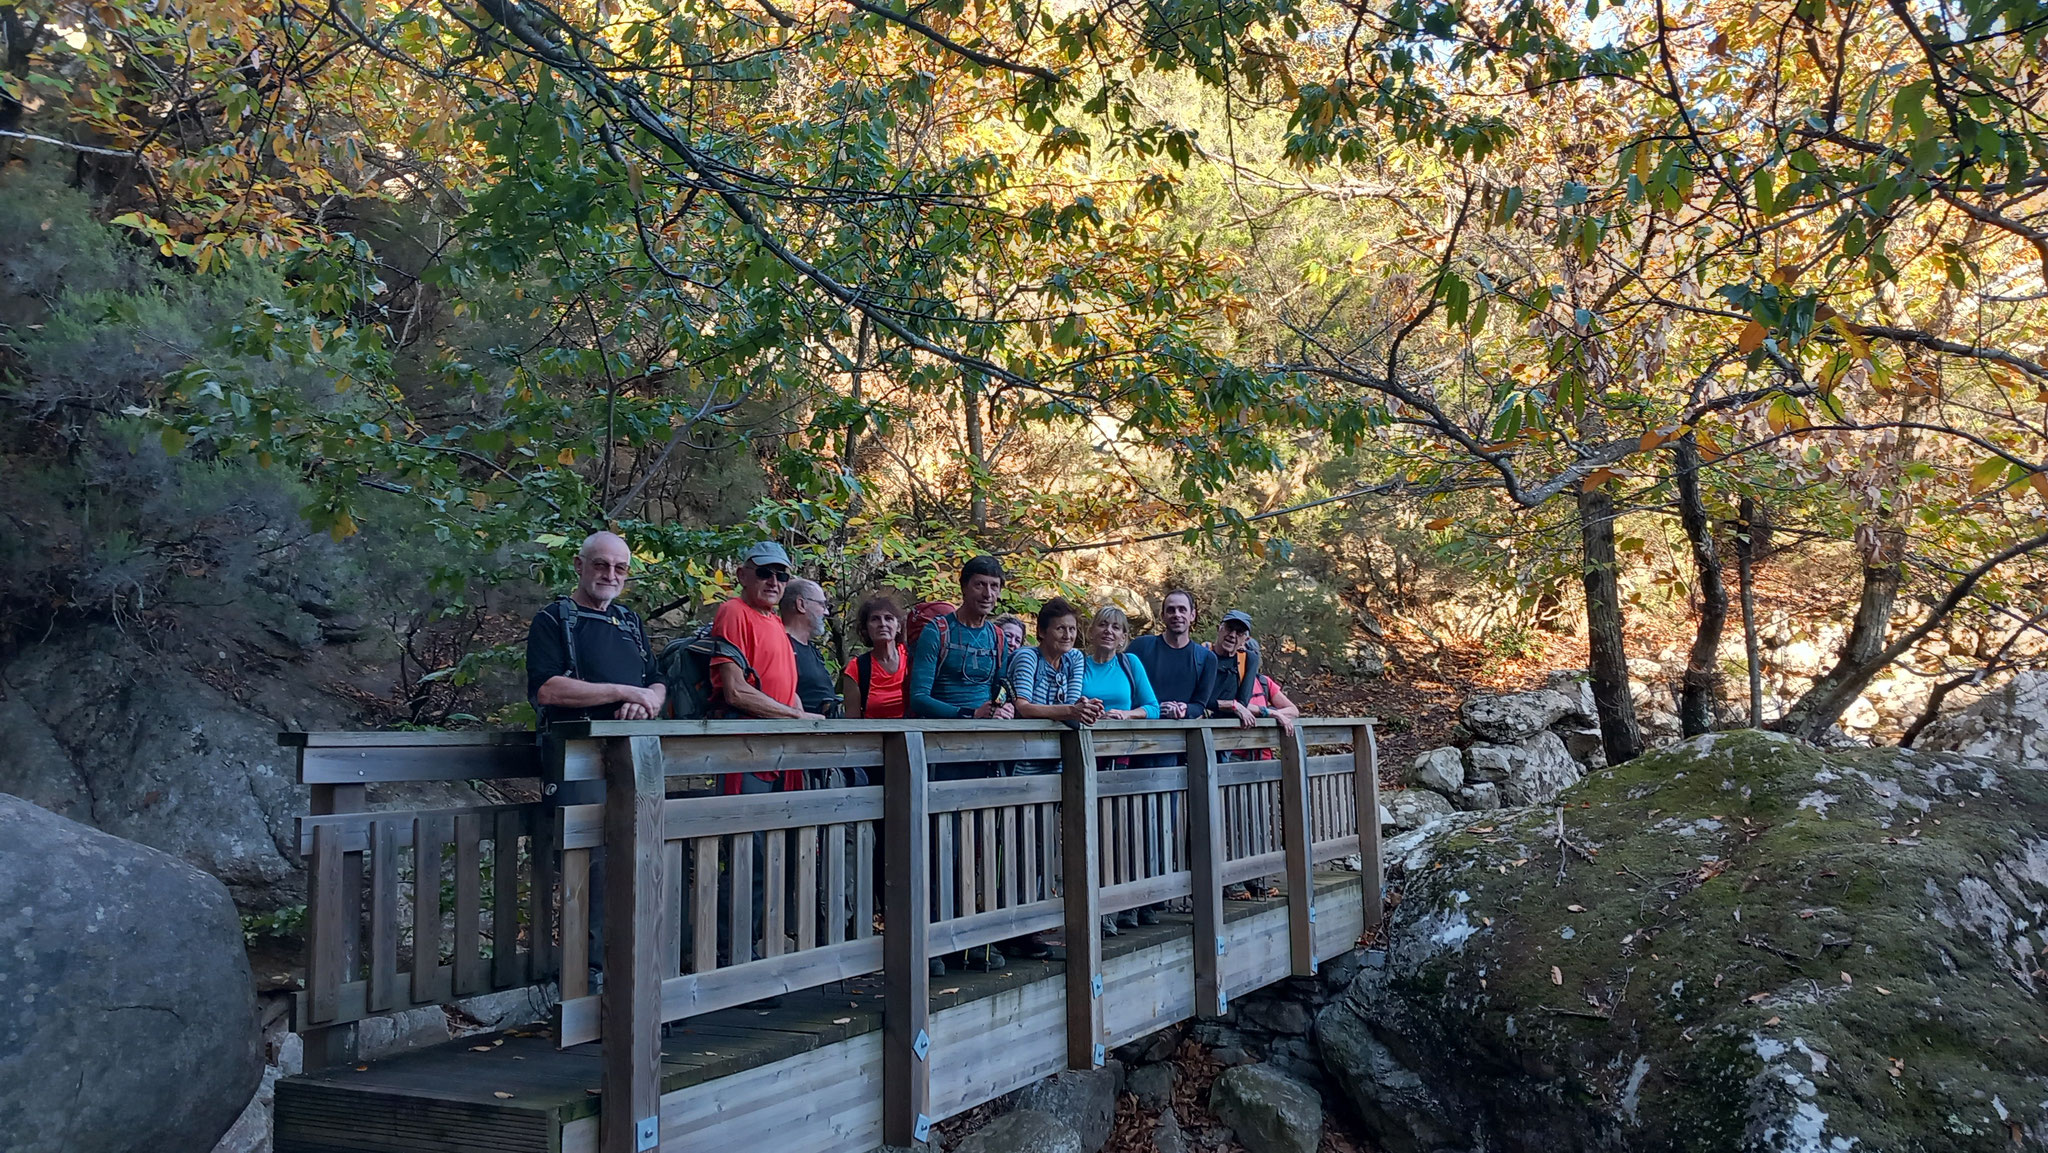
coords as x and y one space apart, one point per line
991 1033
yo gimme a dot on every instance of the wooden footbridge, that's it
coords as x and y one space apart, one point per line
827 1033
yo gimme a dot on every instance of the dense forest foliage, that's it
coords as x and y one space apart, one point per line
1599 306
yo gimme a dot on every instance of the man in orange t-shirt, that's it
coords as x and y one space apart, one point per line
750 624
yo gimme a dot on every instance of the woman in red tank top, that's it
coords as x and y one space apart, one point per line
872 683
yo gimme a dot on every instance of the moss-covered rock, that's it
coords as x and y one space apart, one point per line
1737 943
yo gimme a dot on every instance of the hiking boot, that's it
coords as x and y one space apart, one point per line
938 967
1127 920
1109 925
1148 916
985 960
1027 948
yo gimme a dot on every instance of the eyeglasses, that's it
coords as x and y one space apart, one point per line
779 575
602 566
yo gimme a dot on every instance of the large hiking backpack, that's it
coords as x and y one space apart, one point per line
685 667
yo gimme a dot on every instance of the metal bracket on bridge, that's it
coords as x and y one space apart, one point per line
1099 1055
1219 946
647 1134
1095 985
920 1047
923 1129
1222 1002
1311 914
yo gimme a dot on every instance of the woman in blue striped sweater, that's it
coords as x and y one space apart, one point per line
1045 678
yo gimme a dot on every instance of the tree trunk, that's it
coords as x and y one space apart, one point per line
977 448
1606 646
1700 692
1745 562
1862 655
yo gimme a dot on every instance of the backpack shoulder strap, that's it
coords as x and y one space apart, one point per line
1124 661
864 672
945 637
637 630
566 610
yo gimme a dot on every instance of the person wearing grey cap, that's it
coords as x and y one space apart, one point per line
1237 665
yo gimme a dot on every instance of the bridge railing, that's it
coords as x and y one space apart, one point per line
410 907
710 901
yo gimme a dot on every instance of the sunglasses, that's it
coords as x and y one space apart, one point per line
773 574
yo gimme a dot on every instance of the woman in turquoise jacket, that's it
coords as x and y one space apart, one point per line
1113 676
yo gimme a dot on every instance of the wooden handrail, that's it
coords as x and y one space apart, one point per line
965 863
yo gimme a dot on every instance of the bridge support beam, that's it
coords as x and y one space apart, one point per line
630 1109
334 892
906 950
1294 835
1080 875
1205 866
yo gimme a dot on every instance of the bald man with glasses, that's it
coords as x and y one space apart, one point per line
587 656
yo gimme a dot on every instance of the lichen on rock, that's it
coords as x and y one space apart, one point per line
1693 951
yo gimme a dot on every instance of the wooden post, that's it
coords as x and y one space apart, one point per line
1080 877
1205 860
334 916
1294 838
630 1117
1365 793
906 956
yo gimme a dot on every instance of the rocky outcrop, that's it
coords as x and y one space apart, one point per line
1738 942
1508 717
1083 1099
1024 1131
1413 808
140 745
129 1019
2009 726
1531 746
1269 1111
1442 770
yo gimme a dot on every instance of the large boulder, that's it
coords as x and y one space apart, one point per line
1578 689
1024 1131
129 1017
1269 1111
1413 808
2009 725
1751 944
1503 718
1440 770
1083 1099
1529 771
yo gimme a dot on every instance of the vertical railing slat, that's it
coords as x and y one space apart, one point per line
806 911
1294 839
704 906
469 929
505 973
575 924
1079 849
864 881
428 835
383 993
906 913
327 958
836 907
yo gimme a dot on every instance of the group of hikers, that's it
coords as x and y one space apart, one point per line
588 657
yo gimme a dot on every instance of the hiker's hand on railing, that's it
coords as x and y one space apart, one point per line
1001 712
1087 710
1173 710
1245 719
642 704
